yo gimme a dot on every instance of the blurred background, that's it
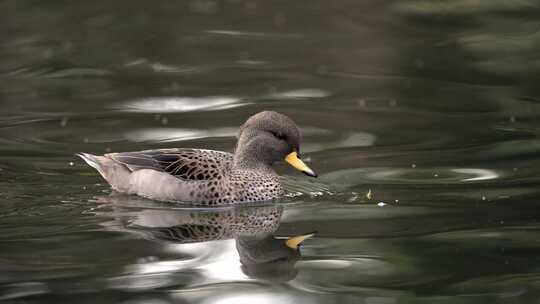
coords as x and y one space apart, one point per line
431 107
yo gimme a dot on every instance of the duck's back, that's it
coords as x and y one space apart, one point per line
183 163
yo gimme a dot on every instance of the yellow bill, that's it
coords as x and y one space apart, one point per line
298 164
295 241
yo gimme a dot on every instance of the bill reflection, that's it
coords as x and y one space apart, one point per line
210 236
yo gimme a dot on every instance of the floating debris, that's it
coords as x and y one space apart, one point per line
369 194
71 164
413 165
353 198
381 204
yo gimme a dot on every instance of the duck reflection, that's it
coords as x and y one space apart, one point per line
262 254
268 258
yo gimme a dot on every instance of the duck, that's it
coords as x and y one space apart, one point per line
209 177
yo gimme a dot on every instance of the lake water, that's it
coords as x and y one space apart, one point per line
422 119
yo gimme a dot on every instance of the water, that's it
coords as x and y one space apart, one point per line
421 118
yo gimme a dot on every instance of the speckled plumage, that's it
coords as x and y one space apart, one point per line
207 177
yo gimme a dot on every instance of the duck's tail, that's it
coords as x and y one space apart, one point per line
116 174
93 161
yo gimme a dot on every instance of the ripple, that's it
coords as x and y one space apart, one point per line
300 94
296 187
252 62
23 289
478 174
368 266
59 70
244 34
511 236
140 282
353 139
164 135
160 67
328 212
413 175
262 298
326 264
180 104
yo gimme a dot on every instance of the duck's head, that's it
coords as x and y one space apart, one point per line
268 137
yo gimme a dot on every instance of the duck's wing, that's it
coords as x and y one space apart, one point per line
188 164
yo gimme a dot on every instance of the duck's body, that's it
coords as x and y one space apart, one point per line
207 177
198 176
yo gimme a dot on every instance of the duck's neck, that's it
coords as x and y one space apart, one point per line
246 161
249 154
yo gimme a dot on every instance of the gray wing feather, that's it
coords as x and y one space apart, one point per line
188 164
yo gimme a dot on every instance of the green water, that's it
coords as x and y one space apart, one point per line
431 107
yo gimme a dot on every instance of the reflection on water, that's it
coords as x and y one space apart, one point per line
260 254
181 104
432 108
171 135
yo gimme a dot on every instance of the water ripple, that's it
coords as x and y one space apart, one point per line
414 175
181 104
163 135
244 34
299 94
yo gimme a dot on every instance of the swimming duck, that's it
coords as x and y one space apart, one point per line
208 177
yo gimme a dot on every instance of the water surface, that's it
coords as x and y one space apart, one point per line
431 108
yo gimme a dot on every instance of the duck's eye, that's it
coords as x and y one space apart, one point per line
279 135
